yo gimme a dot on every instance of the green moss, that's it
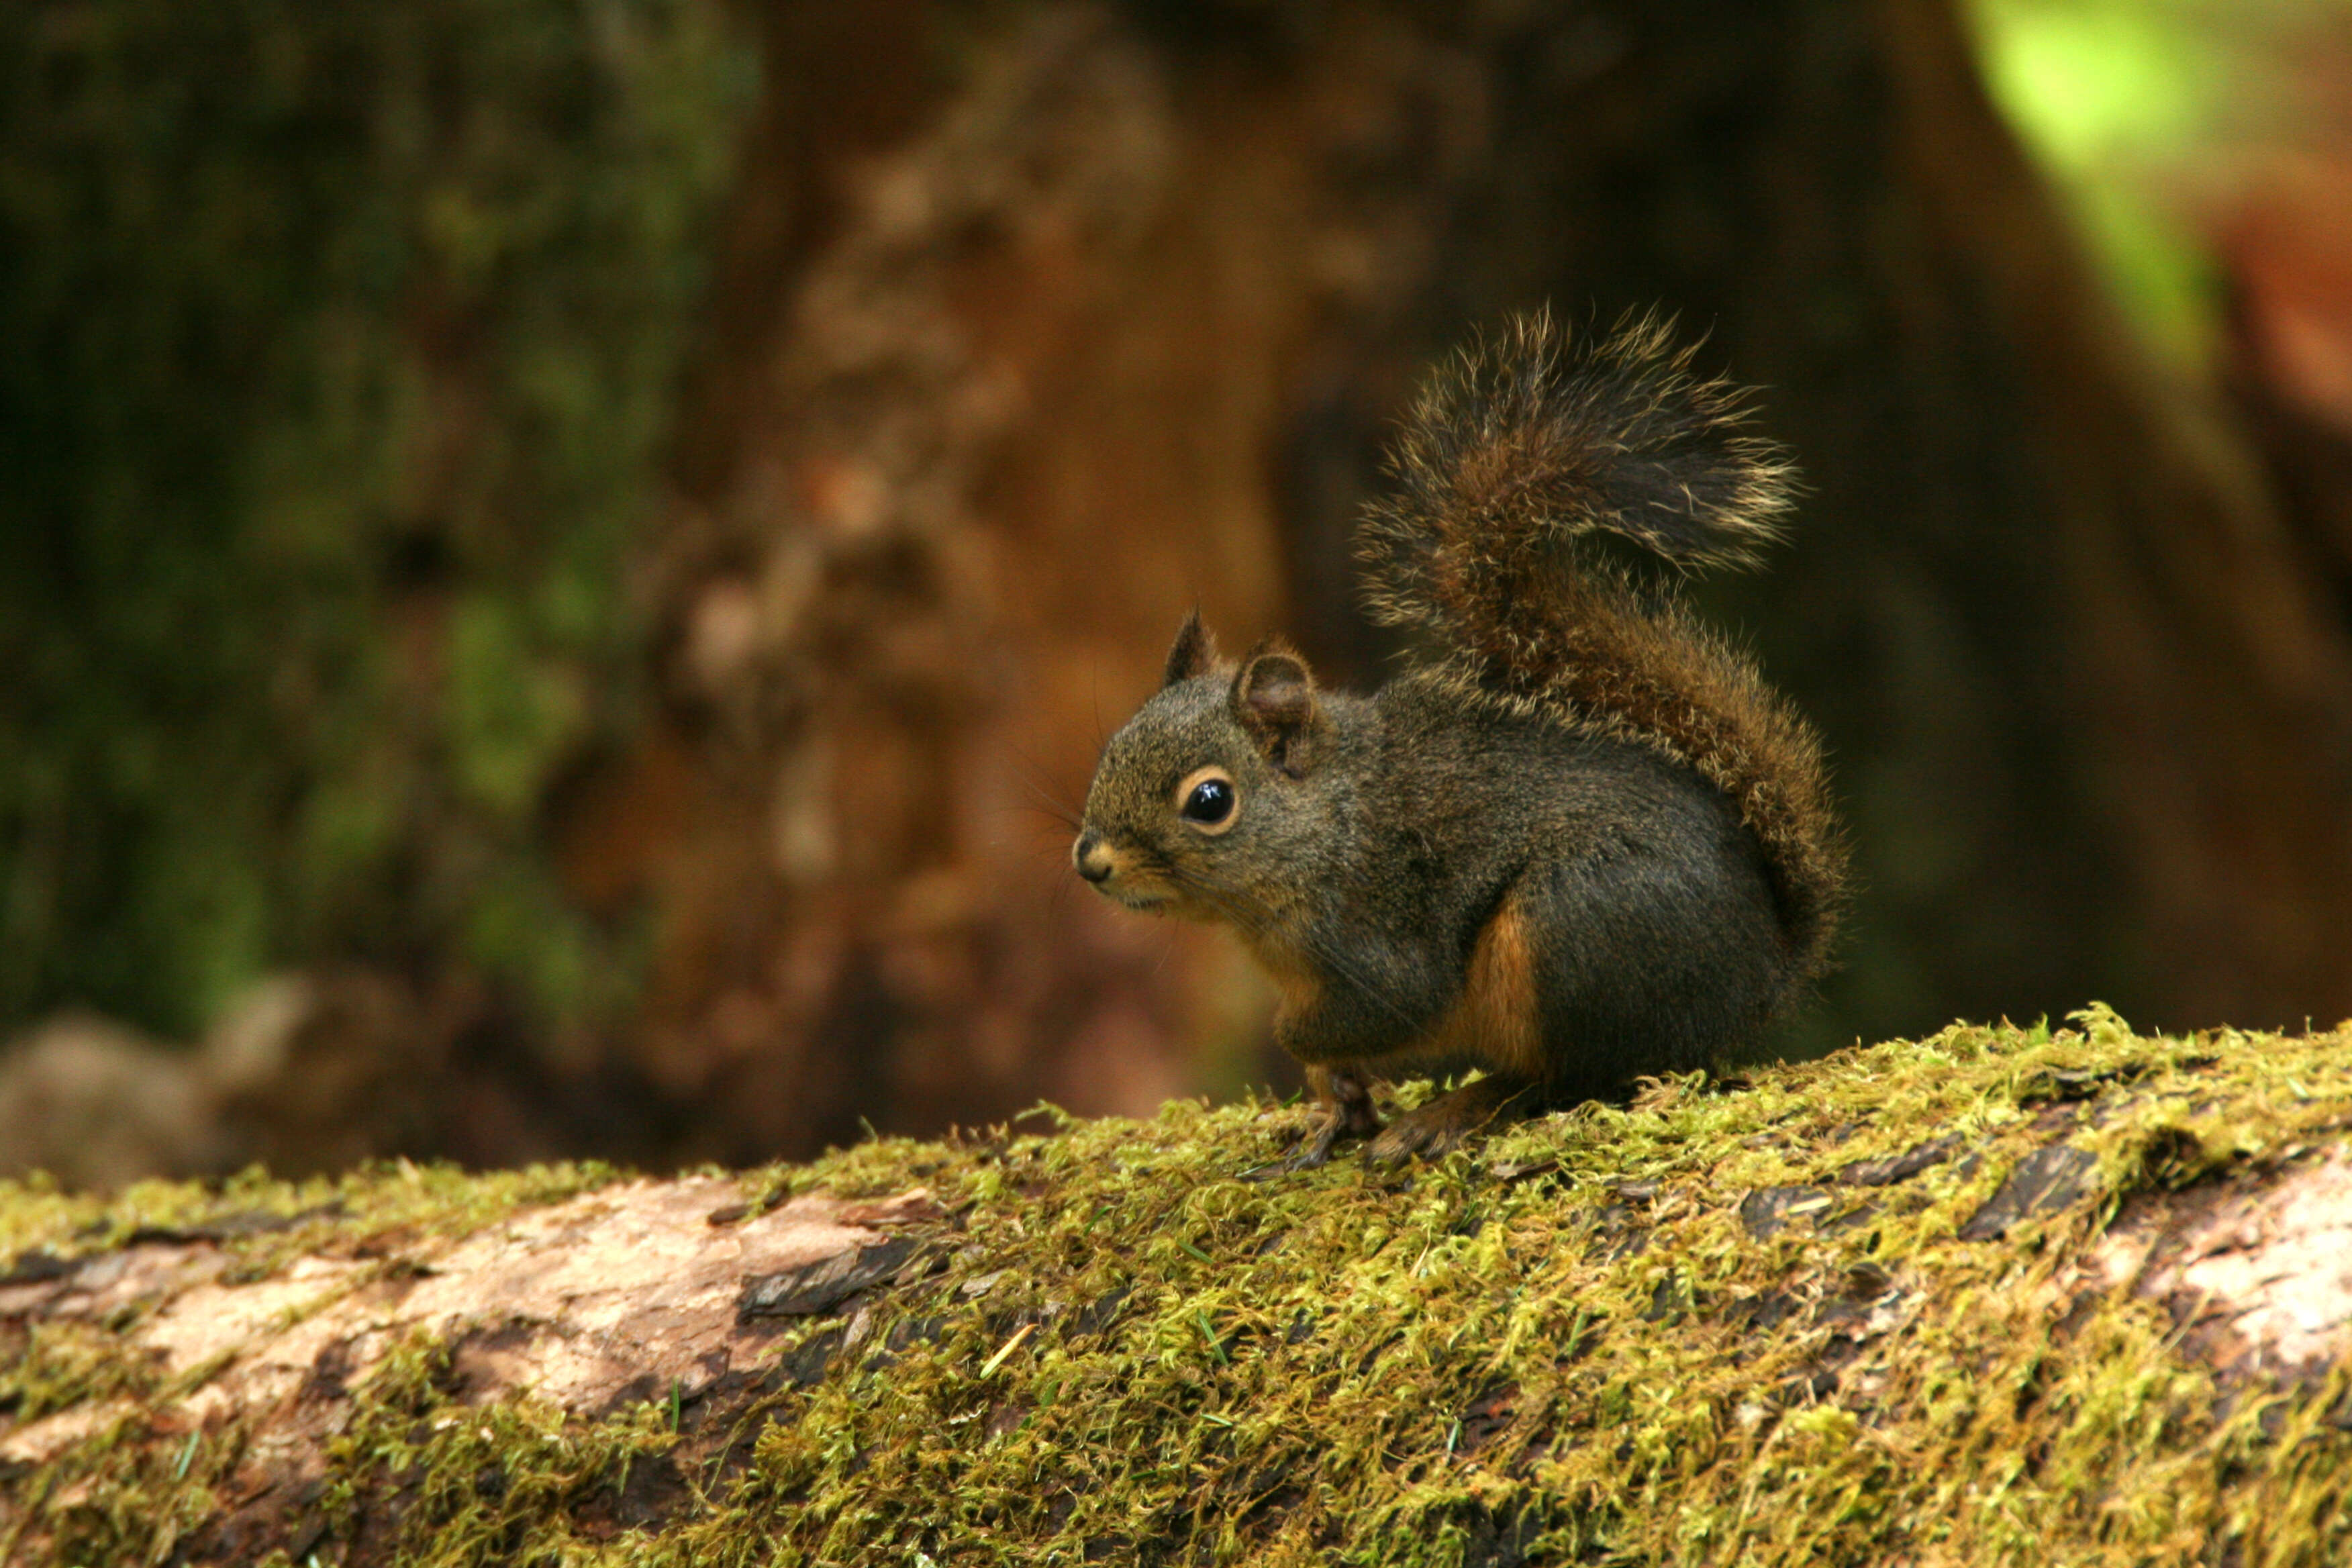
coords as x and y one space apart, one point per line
1566 1341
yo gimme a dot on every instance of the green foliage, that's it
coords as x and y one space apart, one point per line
337 346
2131 105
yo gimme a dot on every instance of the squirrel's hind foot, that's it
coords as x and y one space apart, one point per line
1445 1123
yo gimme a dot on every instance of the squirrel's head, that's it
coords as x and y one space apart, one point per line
1198 799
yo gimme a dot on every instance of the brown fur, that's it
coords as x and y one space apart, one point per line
1504 480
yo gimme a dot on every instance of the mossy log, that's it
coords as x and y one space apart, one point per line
1998 1296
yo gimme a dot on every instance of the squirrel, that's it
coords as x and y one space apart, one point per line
1579 839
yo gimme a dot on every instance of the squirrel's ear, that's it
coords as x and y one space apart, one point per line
1274 700
1193 652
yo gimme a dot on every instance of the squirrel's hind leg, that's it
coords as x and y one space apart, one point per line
1444 1122
1493 1022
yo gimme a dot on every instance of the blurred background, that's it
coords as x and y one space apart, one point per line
559 558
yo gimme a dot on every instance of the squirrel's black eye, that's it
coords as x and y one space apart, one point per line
1207 800
1211 800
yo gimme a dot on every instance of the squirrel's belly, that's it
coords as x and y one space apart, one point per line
1494 1021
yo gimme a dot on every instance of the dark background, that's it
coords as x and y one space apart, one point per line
558 560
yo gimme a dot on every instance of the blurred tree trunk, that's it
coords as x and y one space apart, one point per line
993 410
1044 323
2209 660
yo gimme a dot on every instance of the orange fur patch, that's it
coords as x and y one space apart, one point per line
1295 993
1297 986
1494 1021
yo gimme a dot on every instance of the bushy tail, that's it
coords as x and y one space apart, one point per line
1522 458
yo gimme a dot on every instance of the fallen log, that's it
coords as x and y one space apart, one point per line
2002 1295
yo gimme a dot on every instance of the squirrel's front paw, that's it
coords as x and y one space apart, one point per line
1444 1122
1343 1110
1314 1146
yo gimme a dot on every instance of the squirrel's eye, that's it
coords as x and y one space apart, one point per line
1207 799
1210 801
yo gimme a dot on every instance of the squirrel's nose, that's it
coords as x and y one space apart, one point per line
1090 857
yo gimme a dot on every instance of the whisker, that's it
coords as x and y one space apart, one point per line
1053 813
1025 768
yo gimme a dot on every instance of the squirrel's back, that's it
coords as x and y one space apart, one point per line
1522 458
